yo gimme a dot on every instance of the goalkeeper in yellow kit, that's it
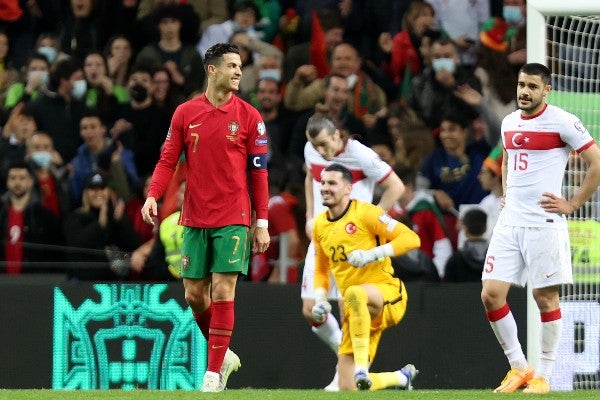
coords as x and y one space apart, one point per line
355 240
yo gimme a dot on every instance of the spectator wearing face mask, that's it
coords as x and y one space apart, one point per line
34 79
50 172
58 109
434 90
141 125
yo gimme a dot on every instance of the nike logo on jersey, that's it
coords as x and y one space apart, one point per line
217 347
192 126
550 275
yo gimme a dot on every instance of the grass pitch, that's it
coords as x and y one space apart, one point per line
262 394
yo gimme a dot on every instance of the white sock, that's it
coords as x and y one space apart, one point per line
329 332
402 379
551 333
505 330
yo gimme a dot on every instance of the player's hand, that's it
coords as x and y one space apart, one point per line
260 240
360 258
320 311
149 210
556 204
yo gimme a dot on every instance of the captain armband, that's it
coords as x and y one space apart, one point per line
388 221
257 161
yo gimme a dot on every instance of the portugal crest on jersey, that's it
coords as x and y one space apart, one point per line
233 129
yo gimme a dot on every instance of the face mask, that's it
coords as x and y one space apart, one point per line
43 76
352 79
41 158
443 63
138 92
79 89
273 74
512 14
49 52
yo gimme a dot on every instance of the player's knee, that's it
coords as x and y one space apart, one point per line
491 299
354 296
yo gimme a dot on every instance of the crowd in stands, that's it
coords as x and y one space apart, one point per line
88 87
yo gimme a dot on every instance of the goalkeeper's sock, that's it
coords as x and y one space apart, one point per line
382 380
551 332
203 321
221 325
359 322
504 326
329 332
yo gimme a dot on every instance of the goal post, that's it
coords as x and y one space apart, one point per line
565 36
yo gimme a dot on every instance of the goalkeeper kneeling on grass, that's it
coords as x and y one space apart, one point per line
355 240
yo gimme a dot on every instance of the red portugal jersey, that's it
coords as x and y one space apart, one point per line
223 147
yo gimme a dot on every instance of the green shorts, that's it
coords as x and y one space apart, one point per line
208 250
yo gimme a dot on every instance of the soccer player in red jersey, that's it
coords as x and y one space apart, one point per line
530 241
224 140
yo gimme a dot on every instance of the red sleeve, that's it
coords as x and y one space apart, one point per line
169 156
404 55
256 150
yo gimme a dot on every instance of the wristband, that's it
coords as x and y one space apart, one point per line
262 223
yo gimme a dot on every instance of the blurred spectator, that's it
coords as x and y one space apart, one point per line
466 264
163 262
300 54
367 101
8 74
514 13
100 234
48 44
19 127
102 94
99 153
165 95
34 80
412 139
266 266
403 59
182 60
245 17
23 21
119 58
142 125
425 218
149 13
278 120
50 173
251 50
81 29
497 98
451 170
461 21
267 67
490 177
432 92
26 227
335 107
59 108
269 12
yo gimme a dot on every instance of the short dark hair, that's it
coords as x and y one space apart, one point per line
537 69
19 164
475 221
346 174
317 123
63 69
216 52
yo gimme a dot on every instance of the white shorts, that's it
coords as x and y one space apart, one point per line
516 254
307 290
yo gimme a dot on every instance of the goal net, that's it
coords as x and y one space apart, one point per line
565 36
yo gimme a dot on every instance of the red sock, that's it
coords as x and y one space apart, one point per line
203 321
221 325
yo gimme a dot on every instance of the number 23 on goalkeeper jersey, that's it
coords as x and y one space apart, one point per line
362 226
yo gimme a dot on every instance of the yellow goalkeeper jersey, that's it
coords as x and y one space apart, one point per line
362 226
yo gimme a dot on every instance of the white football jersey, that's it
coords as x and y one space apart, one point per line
366 167
538 150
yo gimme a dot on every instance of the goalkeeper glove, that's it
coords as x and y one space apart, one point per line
321 307
360 258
